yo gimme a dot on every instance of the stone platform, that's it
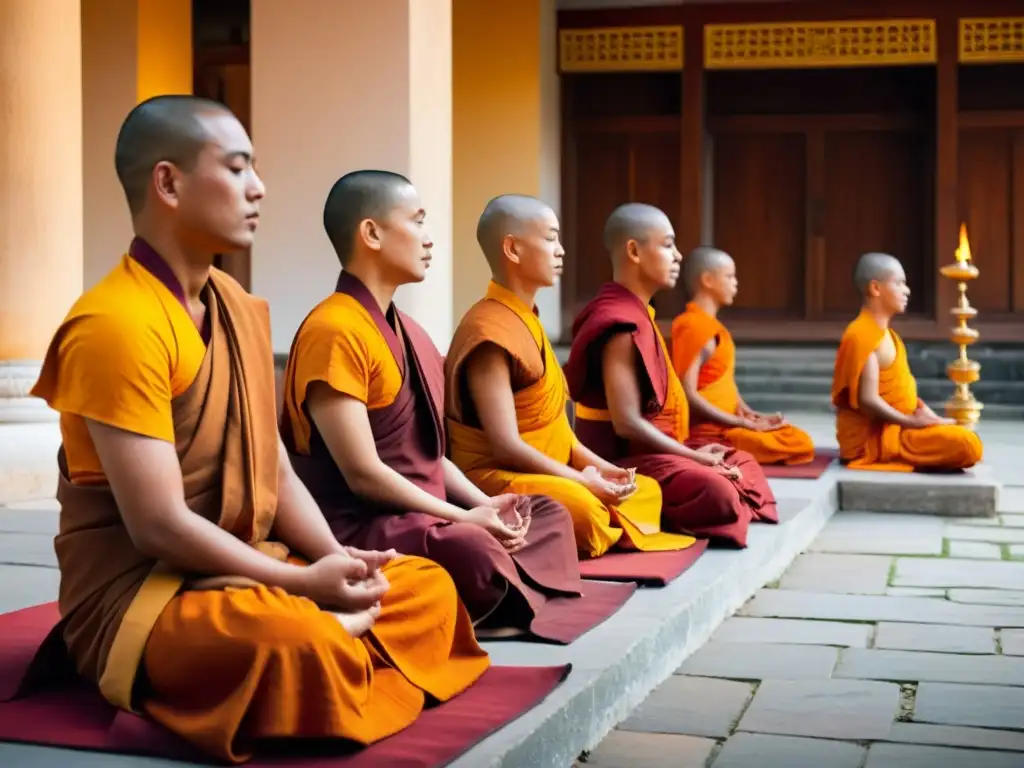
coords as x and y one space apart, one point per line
975 493
615 666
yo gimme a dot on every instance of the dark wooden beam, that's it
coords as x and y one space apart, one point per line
814 250
1005 118
947 130
812 123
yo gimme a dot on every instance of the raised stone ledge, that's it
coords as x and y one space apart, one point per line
28 461
975 493
617 665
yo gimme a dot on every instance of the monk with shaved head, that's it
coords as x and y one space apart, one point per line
200 583
881 423
630 405
704 358
364 421
505 395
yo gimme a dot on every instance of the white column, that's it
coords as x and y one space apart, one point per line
40 189
338 86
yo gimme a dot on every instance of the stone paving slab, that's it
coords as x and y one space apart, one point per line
935 637
649 750
910 666
1012 521
740 629
957 736
849 574
18 520
755 750
827 709
947 572
1016 551
24 585
786 604
975 550
974 493
915 592
742 661
982 521
692 706
1010 597
1012 500
915 756
869 533
1012 642
984 706
996 534
27 549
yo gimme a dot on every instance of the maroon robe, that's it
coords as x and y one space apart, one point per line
697 499
537 588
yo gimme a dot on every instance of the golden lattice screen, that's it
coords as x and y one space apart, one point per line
879 42
621 49
992 40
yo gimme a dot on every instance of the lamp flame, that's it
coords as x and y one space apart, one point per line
963 253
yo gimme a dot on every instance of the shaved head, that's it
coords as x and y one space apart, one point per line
632 221
161 129
875 266
701 260
355 197
506 215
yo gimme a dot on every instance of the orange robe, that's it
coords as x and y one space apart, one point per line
223 667
867 443
716 383
540 394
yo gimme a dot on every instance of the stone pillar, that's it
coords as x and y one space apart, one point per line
381 97
507 127
40 189
131 50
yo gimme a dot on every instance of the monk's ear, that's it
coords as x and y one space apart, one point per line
369 233
510 248
633 251
167 183
873 289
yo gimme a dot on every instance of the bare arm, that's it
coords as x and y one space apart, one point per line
872 404
490 386
145 478
299 522
344 424
459 487
698 403
618 366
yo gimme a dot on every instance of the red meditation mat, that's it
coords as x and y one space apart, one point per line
823 459
652 569
564 620
75 716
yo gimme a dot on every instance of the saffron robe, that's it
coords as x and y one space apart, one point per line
539 389
392 366
697 499
867 443
716 383
222 668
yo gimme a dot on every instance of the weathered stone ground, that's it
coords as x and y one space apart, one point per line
896 641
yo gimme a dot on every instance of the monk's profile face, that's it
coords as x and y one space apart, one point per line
537 250
721 282
217 201
405 244
891 292
657 256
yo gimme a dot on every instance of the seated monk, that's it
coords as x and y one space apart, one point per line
630 406
704 358
174 600
881 423
505 395
364 398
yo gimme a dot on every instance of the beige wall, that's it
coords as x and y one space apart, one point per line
131 50
339 86
506 125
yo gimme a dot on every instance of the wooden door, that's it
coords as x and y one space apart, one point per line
876 198
630 163
760 213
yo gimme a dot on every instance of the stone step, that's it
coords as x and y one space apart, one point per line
995 392
788 402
